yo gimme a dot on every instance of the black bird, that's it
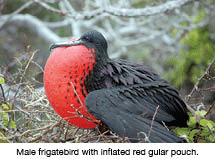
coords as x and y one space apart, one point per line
129 98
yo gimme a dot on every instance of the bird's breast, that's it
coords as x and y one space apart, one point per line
64 77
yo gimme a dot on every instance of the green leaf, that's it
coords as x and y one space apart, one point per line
181 131
10 106
205 132
207 123
211 138
5 118
2 135
12 124
203 122
201 141
192 134
201 113
5 107
2 81
192 122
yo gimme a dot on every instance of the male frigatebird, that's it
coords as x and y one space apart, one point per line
87 88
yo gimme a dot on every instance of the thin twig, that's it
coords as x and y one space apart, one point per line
79 115
79 99
49 127
153 119
195 88
146 139
23 75
211 107
4 99
67 129
26 5
164 124
207 90
52 9
83 106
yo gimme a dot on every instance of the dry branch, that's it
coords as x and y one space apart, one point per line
34 24
148 11
196 88
48 7
20 81
26 5
153 119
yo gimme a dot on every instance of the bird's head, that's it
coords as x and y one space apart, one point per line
91 39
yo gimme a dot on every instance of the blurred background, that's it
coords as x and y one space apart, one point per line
174 37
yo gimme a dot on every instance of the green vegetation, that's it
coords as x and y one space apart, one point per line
192 60
185 70
199 130
4 114
6 122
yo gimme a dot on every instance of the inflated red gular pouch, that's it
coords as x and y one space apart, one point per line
64 76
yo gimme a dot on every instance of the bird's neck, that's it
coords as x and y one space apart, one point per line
93 79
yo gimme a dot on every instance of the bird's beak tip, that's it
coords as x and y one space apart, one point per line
52 46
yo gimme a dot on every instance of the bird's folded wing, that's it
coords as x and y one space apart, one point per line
129 110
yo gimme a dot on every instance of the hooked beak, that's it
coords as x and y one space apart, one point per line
68 43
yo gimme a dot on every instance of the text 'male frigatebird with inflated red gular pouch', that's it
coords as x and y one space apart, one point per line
87 89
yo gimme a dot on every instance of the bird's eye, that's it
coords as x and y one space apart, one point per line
87 38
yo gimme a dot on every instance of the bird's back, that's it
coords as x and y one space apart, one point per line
127 93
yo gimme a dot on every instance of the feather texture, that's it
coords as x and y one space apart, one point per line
129 98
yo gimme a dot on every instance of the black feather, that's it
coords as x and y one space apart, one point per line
125 96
